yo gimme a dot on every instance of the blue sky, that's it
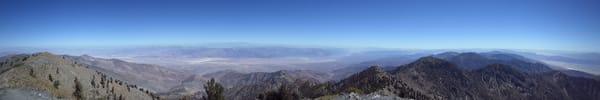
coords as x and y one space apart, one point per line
425 24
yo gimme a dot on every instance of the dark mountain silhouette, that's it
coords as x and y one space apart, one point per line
436 77
474 61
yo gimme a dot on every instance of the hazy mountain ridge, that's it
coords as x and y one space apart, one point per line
207 58
586 62
474 61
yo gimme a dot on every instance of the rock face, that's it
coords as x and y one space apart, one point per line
61 78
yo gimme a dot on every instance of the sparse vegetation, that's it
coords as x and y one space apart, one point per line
44 73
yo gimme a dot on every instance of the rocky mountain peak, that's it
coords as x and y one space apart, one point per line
375 68
367 81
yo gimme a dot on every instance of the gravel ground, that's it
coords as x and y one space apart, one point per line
22 94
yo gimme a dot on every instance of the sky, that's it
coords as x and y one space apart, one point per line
572 25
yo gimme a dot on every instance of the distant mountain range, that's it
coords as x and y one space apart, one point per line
435 78
447 75
268 58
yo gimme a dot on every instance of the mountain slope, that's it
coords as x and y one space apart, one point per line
155 77
367 81
438 78
435 78
249 86
375 81
61 78
504 82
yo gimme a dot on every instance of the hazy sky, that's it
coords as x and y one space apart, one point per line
425 24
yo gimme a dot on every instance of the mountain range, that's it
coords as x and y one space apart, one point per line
447 75
435 78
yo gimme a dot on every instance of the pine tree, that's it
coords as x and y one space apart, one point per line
50 78
31 72
93 82
214 90
78 93
288 93
285 92
56 84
